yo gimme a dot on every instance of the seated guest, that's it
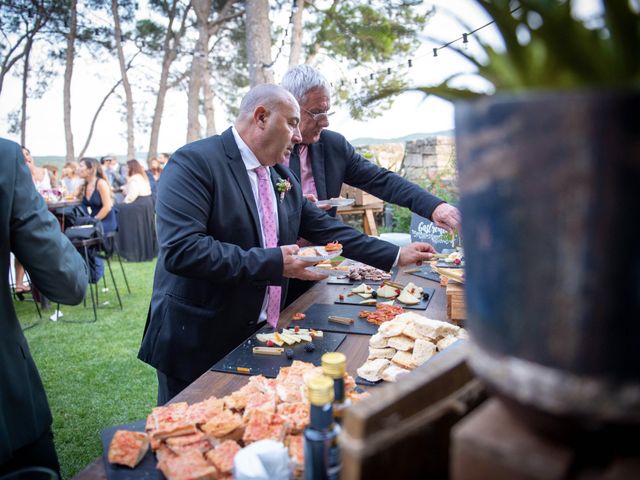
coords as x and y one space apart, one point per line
53 175
96 195
39 175
153 174
41 180
71 182
163 158
137 182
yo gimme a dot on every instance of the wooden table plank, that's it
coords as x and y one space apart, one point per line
355 347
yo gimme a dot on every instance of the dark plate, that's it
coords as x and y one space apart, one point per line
269 365
146 469
348 281
443 264
426 272
317 317
355 299
361 381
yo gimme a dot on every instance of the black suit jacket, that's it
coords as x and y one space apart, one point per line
33 235
334 161
212 274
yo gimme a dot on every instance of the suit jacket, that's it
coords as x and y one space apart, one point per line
334 161
212 274
33 234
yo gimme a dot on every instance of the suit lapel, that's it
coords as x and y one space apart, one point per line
316 151
239 172
294 161
282 214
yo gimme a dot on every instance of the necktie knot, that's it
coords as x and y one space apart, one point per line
261 171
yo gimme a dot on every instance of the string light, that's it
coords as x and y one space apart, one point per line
435 52
465 41
410 63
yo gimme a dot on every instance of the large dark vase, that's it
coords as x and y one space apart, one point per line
550 199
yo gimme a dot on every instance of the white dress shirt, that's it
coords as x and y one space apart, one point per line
251 163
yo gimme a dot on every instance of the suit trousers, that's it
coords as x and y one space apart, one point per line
168 387
296 289
41 453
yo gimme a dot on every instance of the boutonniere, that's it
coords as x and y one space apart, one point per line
283 185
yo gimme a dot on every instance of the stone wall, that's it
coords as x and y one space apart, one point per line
429 156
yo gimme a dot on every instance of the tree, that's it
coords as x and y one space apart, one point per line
175 11
258 41
68 73
131 149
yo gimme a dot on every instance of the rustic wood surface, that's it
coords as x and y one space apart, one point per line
355 347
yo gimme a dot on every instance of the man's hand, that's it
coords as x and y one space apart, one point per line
294 268
313 199
417 253
447 216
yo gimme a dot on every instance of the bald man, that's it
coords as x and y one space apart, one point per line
227 240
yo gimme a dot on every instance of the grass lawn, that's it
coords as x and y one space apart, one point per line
90 371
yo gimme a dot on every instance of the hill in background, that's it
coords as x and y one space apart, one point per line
407 138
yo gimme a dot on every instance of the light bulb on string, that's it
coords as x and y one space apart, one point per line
435 52
465 41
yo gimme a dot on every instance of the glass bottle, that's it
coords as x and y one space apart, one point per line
321 450
334 366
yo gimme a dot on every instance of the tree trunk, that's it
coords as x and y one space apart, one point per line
25 81
131 149
296 34
170 49
68 73
202 9
258 41
209 107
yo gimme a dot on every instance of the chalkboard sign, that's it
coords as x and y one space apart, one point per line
424 230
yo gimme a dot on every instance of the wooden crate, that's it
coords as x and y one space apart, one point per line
456 309
361 197
403 431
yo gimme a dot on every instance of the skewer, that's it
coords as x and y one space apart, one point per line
268 350
394 284
342 320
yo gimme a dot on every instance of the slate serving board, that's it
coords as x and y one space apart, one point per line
269 365
355 299
146 469
318 313
426 272
443 264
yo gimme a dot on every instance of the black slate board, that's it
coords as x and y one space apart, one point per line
318 313
355 299
426 272
146 469
361 381
269 365
443 264
348 281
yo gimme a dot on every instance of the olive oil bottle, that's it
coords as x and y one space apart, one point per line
321 450
334 366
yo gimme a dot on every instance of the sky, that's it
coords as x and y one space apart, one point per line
411 112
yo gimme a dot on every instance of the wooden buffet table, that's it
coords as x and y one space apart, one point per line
355 347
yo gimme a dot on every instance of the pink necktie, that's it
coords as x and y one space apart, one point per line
270 239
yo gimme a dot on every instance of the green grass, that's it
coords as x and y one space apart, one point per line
90 371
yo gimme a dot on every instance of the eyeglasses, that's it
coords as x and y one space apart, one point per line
316 117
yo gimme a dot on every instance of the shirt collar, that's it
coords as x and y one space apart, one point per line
248 157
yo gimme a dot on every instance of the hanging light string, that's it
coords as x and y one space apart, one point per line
283 41
409 62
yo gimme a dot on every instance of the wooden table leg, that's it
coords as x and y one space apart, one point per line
370 227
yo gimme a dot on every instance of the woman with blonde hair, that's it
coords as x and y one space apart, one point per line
71 182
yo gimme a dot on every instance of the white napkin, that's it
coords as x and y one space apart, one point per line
263 460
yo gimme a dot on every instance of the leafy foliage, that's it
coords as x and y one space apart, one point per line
547 47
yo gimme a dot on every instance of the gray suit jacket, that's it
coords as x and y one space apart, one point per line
33 235
212 274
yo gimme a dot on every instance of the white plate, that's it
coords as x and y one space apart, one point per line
336 202
324 255
328 271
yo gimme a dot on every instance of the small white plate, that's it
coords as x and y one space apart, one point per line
323 255
336 202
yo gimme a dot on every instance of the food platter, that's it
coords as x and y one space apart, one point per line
336 202
316 254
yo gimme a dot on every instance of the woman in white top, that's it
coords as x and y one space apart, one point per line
39 175
41 180
137 182
71 182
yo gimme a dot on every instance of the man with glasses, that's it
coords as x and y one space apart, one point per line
324 160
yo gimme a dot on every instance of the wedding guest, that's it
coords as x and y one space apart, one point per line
39 175
153 174
137 182
70 179
96 195
163 158
33 235
53 175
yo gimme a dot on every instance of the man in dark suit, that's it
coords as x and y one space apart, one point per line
33 235
325 160
219 272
